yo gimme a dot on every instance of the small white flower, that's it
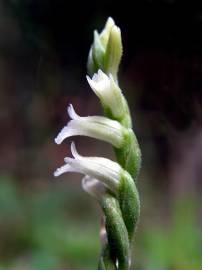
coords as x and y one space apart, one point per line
103 169
94 187
109 93
97 127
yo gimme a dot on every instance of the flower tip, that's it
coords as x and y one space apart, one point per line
71 112
110 22
57 173
57 141
75 153
64 169
100 73
88 79
62 135
92 82
116 29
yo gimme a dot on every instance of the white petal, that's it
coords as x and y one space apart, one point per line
65 168
92 83
93 186
64 133
105 170
97 127
110 22
74 151
94 78
99 82
102 75
100 168
72 113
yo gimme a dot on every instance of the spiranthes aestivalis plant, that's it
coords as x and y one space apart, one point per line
112 184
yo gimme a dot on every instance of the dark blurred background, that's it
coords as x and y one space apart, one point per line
48 223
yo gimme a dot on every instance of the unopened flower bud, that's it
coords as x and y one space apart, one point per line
106 50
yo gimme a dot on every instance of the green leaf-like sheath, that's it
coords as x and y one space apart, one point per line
116 231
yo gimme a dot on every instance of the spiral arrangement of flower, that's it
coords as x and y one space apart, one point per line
113 184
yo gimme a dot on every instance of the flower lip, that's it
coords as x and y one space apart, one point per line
61 170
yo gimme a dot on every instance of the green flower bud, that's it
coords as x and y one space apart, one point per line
106 50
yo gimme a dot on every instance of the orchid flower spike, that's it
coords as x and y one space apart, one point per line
113 184
97 127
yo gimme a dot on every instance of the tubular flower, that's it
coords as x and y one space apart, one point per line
103 169
109 93
97 127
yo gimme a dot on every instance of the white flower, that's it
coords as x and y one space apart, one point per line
97 127
106 50
109 93
103 169
94 187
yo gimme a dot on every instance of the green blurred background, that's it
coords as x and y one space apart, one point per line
48 223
